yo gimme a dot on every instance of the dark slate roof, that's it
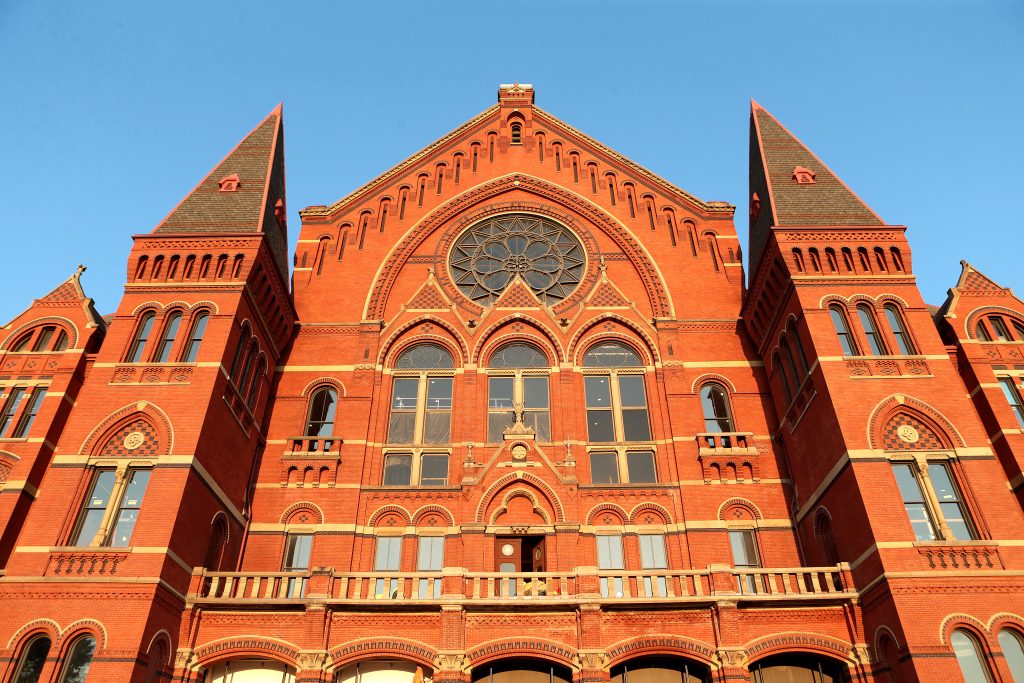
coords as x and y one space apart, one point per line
258 161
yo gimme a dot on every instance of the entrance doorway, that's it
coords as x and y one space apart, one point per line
516 555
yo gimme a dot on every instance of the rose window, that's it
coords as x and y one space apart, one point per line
489 255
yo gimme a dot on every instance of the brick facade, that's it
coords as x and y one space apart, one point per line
578 444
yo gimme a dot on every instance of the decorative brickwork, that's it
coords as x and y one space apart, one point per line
138 439
906 432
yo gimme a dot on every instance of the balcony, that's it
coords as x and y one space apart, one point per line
457 586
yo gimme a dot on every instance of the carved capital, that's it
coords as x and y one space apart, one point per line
595 659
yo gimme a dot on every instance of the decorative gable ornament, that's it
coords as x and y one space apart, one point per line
229 183
755 207
803 176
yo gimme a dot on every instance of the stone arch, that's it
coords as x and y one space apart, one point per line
658 644
155 305
971 320
389 509
516 492
246 646
964 621
369 648
894 298
739 503
324 381
470 205
123 419
91 626
486 344
608 507
661 511
526 477
701 380
538 648
797 642
35 627
645 345
426 510
890 407
208 305
64 323
303 506
165 636
396 342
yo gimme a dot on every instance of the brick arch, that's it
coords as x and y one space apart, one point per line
740 503
302 506
433 510
510 648
7 463
1001 620
471 200
496 327
797 642
123 419
660 510
307 390
91 626
34 628
881 632
893 298
608 507
965 621
645 344
390 509
63 322
396 343
515 492
376 648
164 635
889 408
246 646
701 380
526 477
657 644
972 317
209 305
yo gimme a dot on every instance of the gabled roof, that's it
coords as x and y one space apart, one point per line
973 280
68 294
245 202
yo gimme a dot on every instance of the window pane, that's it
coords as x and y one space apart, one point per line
405 393
430 556
128 512
170 333
434 470
631 391
969 658
867 320
921 521
518 356
909 488
10 408
609 552
1013 398
389 554
35 656
604 468
955 518
641 467
898 331
76 668
439 393
397 470
715 405
599 426
535 392
296 553
842 332
540 420
321 413
744 550
598 392
400 427
1010 644
501 393
1002 334
652 551
95 506
611 355
437 426
635 425
425 357
496 423
195 341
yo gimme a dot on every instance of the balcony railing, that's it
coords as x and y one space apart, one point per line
314 445
723 441
459 586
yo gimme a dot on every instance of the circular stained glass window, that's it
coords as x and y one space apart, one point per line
489 255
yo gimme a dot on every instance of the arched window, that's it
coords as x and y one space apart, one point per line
256 382
243 341
823 532
421 397
518 376
517 133
796 668
981 333
659 670
322 407
842 327
1018 328
899 330
616 401
715 403
215 548
1013 653
78 660
62 341
22 344
867 320
142 332
830 259
999 328
798 346
847 259
787 355
43 340
195 337
163 352
969 657
781 372
30 666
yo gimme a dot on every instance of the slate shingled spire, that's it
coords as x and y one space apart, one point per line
782 200
252 207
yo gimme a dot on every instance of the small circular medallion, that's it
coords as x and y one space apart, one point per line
519 452
907 434
508 550
134 440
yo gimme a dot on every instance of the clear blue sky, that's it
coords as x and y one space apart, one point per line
112 111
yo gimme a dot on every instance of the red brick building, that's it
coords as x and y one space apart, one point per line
519 416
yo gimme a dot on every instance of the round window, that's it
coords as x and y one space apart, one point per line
489 255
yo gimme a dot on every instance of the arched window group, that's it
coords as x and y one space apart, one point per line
875 342
167 346
996 327
518 380
73 665
249 367
789 363
42 339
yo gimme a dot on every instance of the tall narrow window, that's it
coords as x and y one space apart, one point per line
609 557
981 333
867 321
403 194
421 401
846 340
1009 391
899 330
440 178
632 202
476 150
999 328
575 170
243 342
430 558
78 660
1018 329
122 518
458 167
611 190
163 352
95 507
30 666
969 657
593 179
558 157
422 190
195 338
517 134
388 558
62 341
616 401
43 340
384 205
297 551
29 416
743 545
715 403
322 408
780 371
652 557
951 504
518 376
128 511
914 502
10 408
1013 652
142 332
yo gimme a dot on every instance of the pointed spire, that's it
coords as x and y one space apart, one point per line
793 186
245 192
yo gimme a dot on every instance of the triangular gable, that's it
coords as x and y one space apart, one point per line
518 295
429 298
607 295
68 292
244 193
973 280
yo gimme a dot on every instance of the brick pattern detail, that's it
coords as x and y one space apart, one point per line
927 439
516 296
977 282
429 298
66 293
606 296
150 445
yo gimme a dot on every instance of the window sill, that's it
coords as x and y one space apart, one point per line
627 485
411 487
982 554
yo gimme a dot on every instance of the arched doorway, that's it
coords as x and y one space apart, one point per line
798 668
660 670
250 671
381 671
521 671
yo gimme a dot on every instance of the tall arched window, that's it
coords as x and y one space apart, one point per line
517 375
981 333
142 332
781 372
256 382
30 666
170 333
615 396
867 320
195 337
78 660
823 532
969 657
322 407
421 396
715 403
842 327
899 330
243 341
1013 652
517 133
